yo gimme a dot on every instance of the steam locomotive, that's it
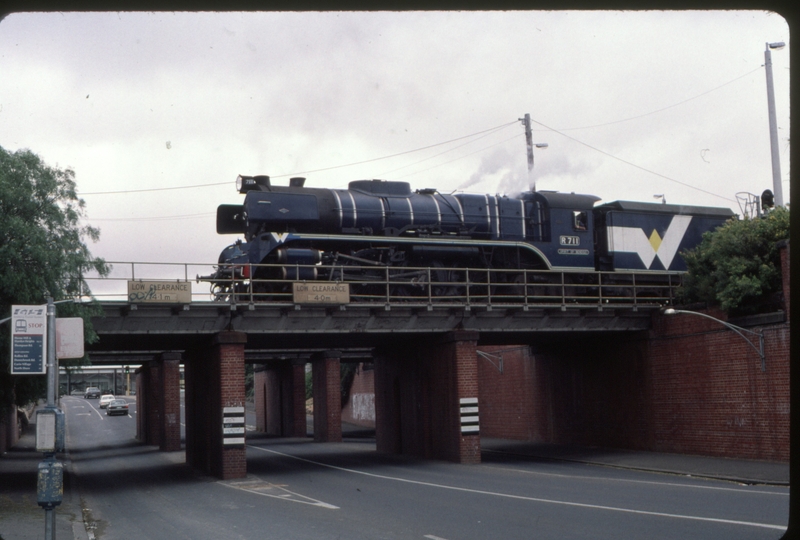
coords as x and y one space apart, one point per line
300 233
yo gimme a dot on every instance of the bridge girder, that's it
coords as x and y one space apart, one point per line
269 328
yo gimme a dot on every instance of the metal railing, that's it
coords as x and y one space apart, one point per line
378 285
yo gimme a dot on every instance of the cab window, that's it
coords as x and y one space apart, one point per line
580 220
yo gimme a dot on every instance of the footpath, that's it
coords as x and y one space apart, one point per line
742 471
21 518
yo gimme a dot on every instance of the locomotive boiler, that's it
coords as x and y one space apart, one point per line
302 233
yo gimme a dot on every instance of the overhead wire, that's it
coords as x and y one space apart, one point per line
447 151
664 108
309 171
157 218
612 156
483 133
517 136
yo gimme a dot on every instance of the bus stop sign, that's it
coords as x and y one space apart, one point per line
28 340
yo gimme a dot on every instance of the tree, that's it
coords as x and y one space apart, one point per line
42 253
737 267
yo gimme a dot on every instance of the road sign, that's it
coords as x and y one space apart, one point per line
159 292
69 337
233 426
28 340
320 293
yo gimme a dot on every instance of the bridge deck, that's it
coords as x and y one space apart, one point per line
510 306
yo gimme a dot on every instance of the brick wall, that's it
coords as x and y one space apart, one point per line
506 397
326 384
170 396
417 392
230 358
709 394
689 386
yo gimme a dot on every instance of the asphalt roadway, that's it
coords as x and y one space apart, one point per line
21 518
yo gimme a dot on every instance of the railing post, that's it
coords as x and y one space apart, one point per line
430 296
600 291
466 285
489 287
525 288
250 283
388 296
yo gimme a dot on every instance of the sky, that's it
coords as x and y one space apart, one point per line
157 113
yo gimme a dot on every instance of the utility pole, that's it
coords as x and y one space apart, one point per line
529 143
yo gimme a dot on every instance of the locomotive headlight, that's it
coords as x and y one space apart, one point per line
245 183
239 183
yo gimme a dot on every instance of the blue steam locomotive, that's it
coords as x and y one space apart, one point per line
301 233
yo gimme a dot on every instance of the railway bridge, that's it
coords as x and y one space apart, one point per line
424 349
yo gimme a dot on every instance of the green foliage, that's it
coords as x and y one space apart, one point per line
737 267
42 253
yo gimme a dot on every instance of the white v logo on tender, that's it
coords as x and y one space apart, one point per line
635 240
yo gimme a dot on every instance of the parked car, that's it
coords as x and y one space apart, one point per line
91 392
105 400
118 406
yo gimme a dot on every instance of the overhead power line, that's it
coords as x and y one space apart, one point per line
612 156
305 172
484 133
664 108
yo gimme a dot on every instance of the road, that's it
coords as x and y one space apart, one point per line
298 489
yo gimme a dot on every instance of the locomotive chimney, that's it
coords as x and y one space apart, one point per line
297 181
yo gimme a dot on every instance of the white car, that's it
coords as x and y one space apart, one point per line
105 399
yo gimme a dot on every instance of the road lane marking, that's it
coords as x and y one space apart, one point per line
434 537
98 413
671 484
266 489
532 499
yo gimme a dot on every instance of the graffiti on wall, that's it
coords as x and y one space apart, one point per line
363 406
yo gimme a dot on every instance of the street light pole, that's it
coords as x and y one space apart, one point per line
777 186
738 329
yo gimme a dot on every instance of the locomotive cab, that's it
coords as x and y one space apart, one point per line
561 225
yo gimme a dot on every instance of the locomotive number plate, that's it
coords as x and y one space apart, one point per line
570 240
321 293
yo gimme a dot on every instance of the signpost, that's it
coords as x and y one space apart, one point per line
37 341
